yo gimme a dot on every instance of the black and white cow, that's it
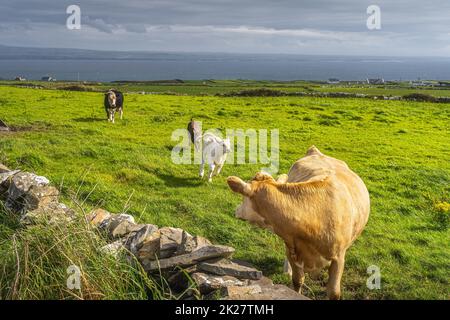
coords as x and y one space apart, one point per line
113 103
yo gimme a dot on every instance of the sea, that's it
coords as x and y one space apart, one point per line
189 66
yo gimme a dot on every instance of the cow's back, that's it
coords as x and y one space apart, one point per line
119 98
348 193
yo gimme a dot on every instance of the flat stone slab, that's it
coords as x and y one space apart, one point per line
114 220
170 239
149 247
4 168
5 181
135 239
52 213
185 260
240 292
22 182
40 196
229 268
269 292
97 216
19 186
207 283
190 243
5 175
123 228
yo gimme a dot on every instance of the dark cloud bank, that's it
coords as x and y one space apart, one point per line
409 28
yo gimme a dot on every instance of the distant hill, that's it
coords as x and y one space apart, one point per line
31 53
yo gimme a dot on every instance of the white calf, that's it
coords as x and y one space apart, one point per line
214 153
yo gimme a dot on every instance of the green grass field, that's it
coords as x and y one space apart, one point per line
400 149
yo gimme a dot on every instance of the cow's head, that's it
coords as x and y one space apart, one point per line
111 98
248 210
226 145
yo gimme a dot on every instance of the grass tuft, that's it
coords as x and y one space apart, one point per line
35 262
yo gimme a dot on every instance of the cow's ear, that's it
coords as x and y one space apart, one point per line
237 185
262 176
283 178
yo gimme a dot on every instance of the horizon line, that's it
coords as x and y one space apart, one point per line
223 52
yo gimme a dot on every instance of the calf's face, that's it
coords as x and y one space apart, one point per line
226 145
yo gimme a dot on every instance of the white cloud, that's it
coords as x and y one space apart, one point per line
251 30
99 24
97 33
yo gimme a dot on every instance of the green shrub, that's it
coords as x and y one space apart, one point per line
419 97
263 92
77 88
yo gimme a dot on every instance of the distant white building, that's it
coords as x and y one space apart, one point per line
418 83
48 78
333 81
19 78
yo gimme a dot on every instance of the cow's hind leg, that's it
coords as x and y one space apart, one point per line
121 113
334 277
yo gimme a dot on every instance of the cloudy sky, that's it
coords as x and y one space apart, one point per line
408 27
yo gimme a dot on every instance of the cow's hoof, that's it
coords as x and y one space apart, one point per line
333 295
209 180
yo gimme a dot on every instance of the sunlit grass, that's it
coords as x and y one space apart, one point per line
400 149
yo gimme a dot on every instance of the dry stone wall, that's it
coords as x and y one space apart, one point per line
189 263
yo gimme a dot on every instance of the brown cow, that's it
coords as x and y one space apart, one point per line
318 209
